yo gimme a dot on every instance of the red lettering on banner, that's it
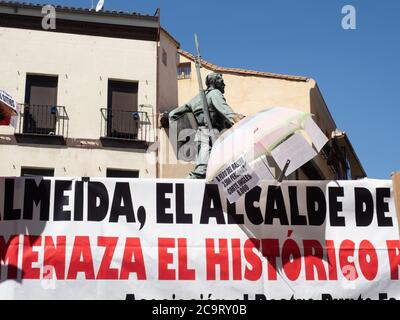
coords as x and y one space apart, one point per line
30 256
270 250
236 259
9 255
331 257
348 268
228 259
291 259
394 258
184 273
213 259
165 258
133 248
367 252
105 272
313 258
54 256
80 249
253 259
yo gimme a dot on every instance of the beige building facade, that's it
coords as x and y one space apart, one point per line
90 91
248 92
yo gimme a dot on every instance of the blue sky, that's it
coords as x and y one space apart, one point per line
358 71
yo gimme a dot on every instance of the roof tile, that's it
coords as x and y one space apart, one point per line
243 71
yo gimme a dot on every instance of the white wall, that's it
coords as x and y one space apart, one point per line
83 65
73 162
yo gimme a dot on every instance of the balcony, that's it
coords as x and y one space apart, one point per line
123 128
42 124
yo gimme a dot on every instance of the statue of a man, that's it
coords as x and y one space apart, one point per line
221 115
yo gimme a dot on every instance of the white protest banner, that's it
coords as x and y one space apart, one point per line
181 239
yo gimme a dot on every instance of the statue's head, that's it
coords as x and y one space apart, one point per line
215 81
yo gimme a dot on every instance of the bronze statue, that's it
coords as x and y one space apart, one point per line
221 115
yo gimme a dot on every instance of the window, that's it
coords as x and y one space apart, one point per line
164 57
119 173
122 119
34 172
41 90
40 104
184 70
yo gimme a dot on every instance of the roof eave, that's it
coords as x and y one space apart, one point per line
243 72
81 14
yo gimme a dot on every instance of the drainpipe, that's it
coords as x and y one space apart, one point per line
157 95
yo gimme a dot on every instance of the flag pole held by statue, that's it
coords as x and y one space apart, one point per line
202 92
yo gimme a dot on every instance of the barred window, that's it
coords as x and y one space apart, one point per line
184 70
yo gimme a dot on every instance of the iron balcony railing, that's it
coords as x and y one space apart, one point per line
43 120
125 125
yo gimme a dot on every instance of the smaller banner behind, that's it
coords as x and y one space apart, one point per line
182 239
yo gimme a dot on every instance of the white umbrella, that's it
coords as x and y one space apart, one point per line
243 154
